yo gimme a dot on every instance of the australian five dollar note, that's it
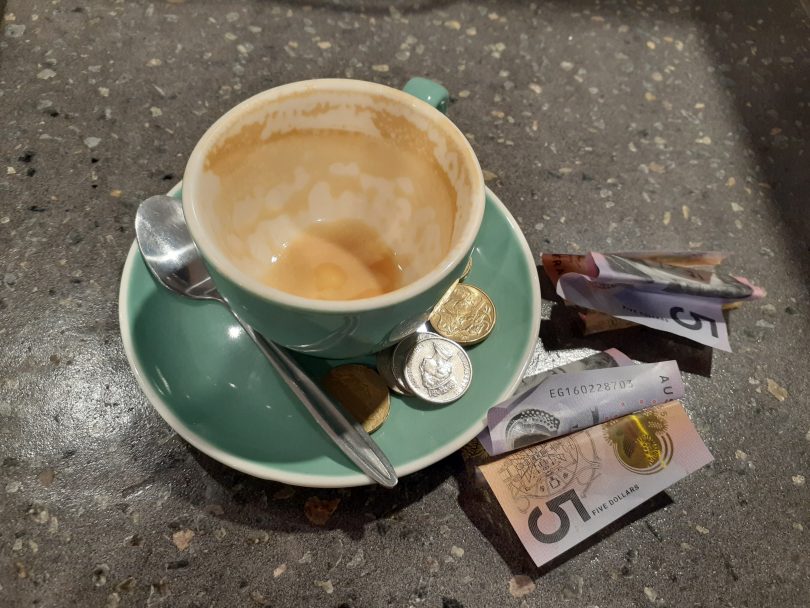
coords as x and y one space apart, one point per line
558 493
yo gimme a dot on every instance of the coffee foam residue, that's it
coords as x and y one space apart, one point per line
264 199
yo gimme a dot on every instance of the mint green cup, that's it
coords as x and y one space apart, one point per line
336 329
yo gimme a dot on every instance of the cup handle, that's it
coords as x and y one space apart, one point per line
428 91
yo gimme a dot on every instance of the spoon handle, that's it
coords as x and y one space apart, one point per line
347 434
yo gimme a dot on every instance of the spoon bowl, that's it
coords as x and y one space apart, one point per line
174 260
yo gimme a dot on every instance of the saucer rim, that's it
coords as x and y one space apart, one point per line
265 471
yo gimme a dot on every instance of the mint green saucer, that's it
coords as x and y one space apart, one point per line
211 384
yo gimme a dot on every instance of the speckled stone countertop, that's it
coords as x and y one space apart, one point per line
603 125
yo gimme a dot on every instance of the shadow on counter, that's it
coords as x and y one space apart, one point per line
311 510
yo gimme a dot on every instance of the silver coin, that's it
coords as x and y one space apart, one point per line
400 357
385 366
437 369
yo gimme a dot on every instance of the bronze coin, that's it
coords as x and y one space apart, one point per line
362 392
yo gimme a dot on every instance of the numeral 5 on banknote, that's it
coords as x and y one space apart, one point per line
558 493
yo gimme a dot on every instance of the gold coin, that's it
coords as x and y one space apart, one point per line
466 316
467 269
362 392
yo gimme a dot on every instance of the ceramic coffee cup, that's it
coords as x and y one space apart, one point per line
333 214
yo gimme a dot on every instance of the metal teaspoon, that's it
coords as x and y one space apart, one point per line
173 259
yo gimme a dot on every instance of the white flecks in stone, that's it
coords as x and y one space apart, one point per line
566 65
403 55
774 388
255 29
230 36
100 574
651 594
736 207
799 480
456 552
685 211
740 455
463 94
649 96
768 309
702 530
807 435
11 171
650 45
182 539
104 91
324 44
667 218
46 74
14 30
326 586
232 16
798 526
452 25
357 560
279 570
306 558
380 67
155 111
471 31
657 77
536 88
573 588
154 62
92 142
705 140
17 546
521 585
496 49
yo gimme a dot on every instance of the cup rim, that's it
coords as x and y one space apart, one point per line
213 254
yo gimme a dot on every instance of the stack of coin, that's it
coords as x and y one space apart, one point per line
362 392
428 366
431 365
